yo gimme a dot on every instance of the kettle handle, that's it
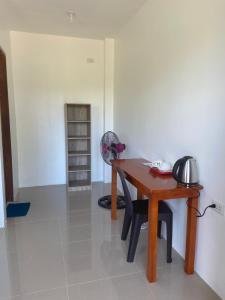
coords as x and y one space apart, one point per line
176 169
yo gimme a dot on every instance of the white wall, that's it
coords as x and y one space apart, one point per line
5 45
49 71
169 102
109 95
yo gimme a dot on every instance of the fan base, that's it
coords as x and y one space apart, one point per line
105 202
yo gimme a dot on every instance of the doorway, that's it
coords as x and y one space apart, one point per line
5 124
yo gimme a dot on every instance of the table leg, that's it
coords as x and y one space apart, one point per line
139 195
152 238
191 235
114 194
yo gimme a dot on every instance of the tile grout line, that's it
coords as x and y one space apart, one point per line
34 293
90 239
57 218
105 278
64 261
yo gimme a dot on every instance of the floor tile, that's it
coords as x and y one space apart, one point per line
48 203
82 262
31 237
141 253
39 271
96 259
175 284
10 276
68 246
80 226
132 287
56 294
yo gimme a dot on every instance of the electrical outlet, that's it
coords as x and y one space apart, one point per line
219 207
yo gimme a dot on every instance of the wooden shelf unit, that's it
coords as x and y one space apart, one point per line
78 141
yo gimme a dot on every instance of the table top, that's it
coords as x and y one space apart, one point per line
140 174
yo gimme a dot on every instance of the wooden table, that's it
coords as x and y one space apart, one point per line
158 188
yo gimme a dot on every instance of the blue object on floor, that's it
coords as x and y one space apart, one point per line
17 209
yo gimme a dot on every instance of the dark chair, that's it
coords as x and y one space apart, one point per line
136 212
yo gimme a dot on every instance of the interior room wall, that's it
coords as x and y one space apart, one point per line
5 46
50 71
169 102
109 96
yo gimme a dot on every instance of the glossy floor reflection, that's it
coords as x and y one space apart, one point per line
68 249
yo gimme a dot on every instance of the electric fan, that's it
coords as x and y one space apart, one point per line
111 148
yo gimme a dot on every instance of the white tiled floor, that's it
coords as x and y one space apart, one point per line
68 249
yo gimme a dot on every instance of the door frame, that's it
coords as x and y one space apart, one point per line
6 133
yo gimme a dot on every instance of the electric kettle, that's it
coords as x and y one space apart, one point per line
185 171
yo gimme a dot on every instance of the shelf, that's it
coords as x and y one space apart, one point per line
79 188
78 137
79 129
78 112
79 163
78 153
79 168
77 183
79 121
80 145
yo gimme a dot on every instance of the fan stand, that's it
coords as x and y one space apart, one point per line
111 148
106 201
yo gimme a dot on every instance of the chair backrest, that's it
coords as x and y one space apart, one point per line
127 196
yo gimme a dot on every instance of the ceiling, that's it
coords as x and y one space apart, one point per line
94 18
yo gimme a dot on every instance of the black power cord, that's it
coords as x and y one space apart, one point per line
199 213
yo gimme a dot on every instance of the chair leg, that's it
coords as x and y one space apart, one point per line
169 232
126 226
159 229
135 232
